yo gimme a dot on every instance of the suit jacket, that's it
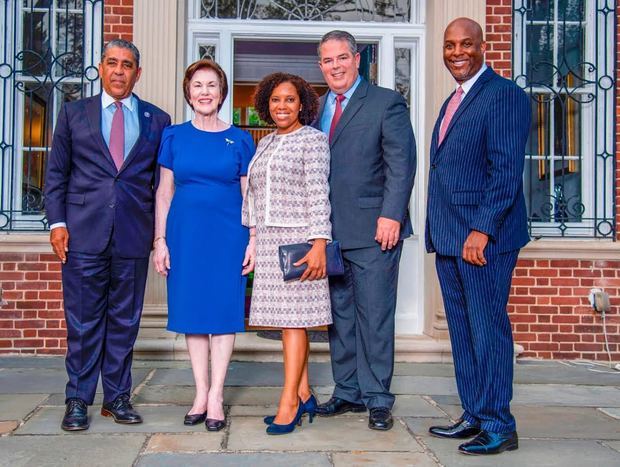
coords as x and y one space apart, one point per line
373 164
476 174
297 187
84 189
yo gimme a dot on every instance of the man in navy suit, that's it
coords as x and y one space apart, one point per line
373 163
476 224
99 200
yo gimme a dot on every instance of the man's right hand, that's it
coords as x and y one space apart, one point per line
59 238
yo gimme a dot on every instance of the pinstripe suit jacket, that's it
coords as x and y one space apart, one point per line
476 174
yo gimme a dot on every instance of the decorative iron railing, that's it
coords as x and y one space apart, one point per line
49 52
564 56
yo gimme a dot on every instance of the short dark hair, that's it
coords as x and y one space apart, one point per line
338 35
205 64
123 44
307 96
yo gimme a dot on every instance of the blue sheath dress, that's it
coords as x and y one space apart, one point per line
206 291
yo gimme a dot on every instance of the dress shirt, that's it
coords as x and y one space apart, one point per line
132 126
330 105
467 85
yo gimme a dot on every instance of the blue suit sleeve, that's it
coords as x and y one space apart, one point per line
58 170
247 152
507 125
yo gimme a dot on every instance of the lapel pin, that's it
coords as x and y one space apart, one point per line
147 114
229 141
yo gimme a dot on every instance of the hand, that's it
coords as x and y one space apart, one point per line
59 238
473 249
161 258
250 257
316 260
388 233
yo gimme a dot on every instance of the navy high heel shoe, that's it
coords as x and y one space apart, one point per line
309 407
276 429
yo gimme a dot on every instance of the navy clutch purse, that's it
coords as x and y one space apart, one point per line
290 254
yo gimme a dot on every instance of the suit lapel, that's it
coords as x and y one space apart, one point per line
93 114
145 118
317 123
354 105
469 98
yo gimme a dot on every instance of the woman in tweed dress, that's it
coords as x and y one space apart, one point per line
287 201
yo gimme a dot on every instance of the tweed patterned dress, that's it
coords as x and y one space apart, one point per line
276 303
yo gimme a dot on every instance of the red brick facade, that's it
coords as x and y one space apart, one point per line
548 306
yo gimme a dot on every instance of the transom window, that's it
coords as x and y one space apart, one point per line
564 59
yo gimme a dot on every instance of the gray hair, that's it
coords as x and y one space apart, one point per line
123 44
337 35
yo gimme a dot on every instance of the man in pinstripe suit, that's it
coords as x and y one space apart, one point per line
476 224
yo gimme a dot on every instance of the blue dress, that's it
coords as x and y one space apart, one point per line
206 291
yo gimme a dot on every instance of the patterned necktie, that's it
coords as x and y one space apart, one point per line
337 115
453 105
117 136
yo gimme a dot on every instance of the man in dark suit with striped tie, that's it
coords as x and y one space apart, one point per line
99 192
476 224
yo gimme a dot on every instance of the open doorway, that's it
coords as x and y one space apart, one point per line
254 59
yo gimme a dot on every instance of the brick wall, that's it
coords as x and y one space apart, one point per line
118 20
549 309
33 319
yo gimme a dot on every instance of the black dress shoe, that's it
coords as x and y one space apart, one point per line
215 425
121 410
380 419
337 406
194 419
488 442
76 415
460 430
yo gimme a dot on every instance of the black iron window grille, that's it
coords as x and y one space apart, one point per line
49 53
564 58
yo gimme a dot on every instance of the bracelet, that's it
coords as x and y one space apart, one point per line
252 235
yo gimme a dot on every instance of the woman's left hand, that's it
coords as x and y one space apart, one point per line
250 256
316 260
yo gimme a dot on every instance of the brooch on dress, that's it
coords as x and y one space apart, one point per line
229 141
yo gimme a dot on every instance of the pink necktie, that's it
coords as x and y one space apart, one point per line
337 115
117 136
453 105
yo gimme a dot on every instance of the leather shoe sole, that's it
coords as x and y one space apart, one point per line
508 447
107 413
75 428
464 434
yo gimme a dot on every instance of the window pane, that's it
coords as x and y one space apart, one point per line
538 142
309 10
36 53
71 4
206 51
571 10
536 185
69 32
402 64
32 182
37 3
539 55
571 40
567 203
38 115
541 10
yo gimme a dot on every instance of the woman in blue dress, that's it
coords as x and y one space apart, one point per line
200 244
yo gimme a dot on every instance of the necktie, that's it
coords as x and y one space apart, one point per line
337 115
117 136
453 105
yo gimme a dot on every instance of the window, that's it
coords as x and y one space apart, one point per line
564 58
49 51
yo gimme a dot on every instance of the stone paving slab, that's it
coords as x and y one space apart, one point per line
424 369
615 445
424 385
59 400
414 406
69 451
33 362
564 373
186 442
611 412
537 453
566 395
17 406
43 380
382 459
558 422
236 460
325 434
163 419
419 426
185 395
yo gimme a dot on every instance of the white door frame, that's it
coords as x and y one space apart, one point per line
222 34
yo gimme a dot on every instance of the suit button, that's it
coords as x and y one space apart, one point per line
111 205
433 166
